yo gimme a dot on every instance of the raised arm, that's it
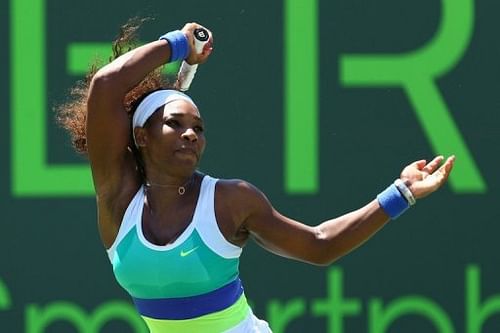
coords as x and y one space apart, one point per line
108 125
332 239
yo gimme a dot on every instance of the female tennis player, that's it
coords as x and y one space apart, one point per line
174 235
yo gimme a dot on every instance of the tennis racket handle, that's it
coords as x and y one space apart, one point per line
201 38
187 71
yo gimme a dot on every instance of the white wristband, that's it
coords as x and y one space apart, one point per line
405 191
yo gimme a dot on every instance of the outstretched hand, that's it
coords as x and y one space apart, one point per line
423 178
194 57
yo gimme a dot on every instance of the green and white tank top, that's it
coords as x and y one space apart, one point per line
190 285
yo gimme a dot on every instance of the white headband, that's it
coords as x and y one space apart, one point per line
152 102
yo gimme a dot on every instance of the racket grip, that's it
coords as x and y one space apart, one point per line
186 72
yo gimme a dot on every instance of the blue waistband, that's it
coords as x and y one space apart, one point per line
190 307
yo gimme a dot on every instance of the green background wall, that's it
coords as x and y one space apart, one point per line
433 270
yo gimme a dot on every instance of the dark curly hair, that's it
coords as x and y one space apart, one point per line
72 115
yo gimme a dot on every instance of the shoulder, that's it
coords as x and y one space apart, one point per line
241 197
238 189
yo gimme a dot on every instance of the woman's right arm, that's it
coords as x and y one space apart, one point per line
108 125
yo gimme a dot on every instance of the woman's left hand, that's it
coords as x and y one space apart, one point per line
423 178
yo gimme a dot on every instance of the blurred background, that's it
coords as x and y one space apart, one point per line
320 104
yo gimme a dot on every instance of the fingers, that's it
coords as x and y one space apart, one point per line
190 27
441 175
196 55
429 177
446 168
419 164
208 47
433 165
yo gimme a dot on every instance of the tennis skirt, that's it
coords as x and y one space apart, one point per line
251 324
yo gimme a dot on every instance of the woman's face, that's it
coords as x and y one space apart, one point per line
173 136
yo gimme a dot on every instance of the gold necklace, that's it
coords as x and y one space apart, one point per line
181 189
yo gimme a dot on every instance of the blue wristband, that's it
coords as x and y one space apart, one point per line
393 202
179 45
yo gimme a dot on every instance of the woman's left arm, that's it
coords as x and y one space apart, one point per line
325 243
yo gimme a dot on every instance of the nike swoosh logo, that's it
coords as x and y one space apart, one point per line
186 253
